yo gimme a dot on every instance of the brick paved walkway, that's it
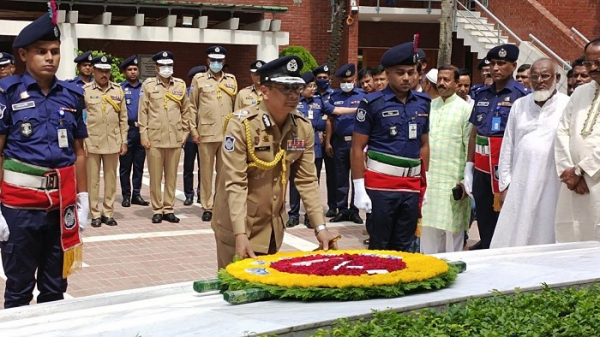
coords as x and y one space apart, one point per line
137 253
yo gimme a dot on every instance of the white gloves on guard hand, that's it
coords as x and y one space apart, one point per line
83 209
468 182
361 198
4 232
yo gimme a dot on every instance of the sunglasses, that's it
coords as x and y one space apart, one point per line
287 89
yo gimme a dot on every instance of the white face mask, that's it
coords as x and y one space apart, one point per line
165 71
346 87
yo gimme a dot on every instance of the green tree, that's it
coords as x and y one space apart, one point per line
115 72
309 61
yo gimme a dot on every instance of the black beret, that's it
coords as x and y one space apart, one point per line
42 29
282 70
308 77
322 69
163 57
6 58
483 63
346 70
216 52
256 64
421 55
195 70
102 62
84 57
130 61
508 52
402 54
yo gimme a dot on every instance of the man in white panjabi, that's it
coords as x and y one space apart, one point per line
445 219
529 184
577 153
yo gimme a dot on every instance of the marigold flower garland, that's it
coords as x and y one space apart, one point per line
383 274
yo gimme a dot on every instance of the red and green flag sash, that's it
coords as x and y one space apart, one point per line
488 163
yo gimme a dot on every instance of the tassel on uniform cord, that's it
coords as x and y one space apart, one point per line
72 260
418 230
497 204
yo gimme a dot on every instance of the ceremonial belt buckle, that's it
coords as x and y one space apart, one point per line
50 181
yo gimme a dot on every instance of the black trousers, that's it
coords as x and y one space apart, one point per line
330 173
134 159
294 211
484 206
341 150
393 220
190 156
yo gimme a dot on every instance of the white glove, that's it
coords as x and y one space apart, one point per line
361 198
425 194
468 182
83 209
4 232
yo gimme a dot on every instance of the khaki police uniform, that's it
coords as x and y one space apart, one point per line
251 199
163 119
211 100
107 129
247 97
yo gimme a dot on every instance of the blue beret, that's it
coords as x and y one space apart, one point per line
483 63
163 57
84 57
508 52
130 61
255 65
322 69
346 70
421 54
102 62
402 54
308 77
42 29
195 70
282 70
216 52
6 58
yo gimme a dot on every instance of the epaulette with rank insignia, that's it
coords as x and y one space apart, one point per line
175 79
422 95
524 90
298 114
373 96
71 87
87 85
8 82
150 80
228 75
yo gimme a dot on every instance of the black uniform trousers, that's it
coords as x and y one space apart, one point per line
393 220
484 206
190 156
330 174
34 245
134 158
341 151
294 212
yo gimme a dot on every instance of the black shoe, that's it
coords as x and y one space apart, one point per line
306 221
366 242
292 222
476 246
103 219
331 213
157 218
170 217
356 218
198 201
96 222
137 200
207 216
111 222
188 201
341 216
126 202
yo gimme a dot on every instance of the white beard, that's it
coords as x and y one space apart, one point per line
544 95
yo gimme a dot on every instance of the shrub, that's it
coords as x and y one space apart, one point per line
309 61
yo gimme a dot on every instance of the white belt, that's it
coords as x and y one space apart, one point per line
392 170
482 149
26 180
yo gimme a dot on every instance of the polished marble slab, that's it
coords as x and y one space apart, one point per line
176 310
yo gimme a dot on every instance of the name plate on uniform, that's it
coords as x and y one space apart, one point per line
483 103
262 148
390 113
24 105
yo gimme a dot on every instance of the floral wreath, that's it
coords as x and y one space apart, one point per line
339 274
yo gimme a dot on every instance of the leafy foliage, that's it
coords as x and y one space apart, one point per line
342 294
309 61
549 312
115 73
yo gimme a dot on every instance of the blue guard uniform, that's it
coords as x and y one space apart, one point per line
136 154
316 110
85 57
342 141
324 91
38 187
191 155
394 175
489 117
475 88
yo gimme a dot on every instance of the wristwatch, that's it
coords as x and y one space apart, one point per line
578 171
319 228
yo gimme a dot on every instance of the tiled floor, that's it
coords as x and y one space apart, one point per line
137 253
